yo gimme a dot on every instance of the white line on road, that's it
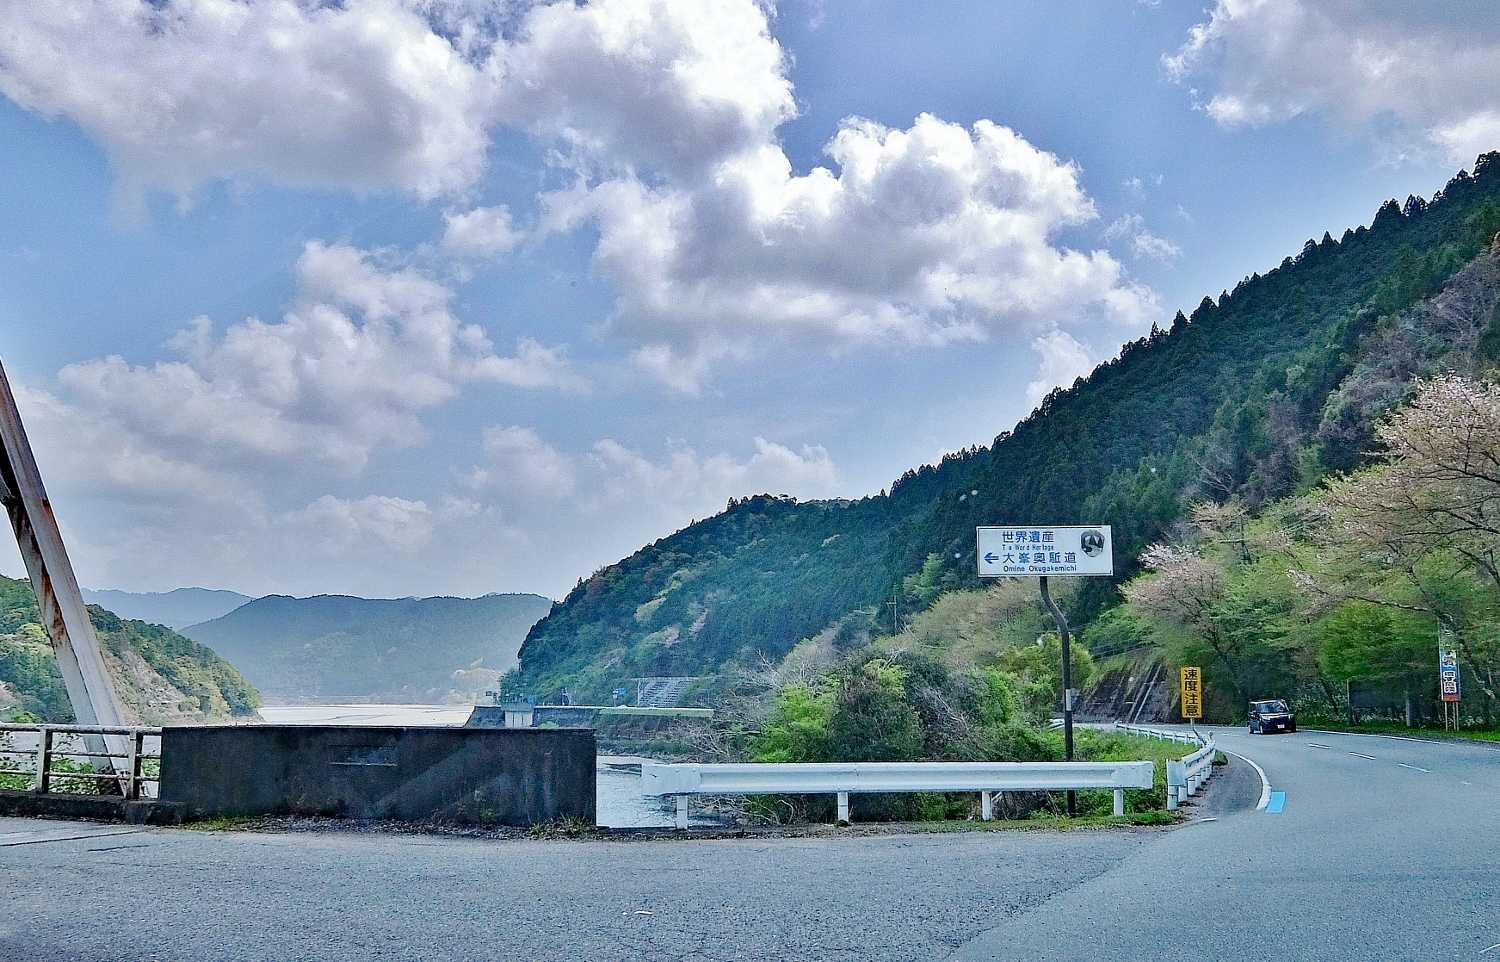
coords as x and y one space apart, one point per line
1415 768
1362 755
1318 745
1471 742
1265 783
63 835
1491 949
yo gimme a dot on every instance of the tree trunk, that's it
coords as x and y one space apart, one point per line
1329 693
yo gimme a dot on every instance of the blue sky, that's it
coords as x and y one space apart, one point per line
396 297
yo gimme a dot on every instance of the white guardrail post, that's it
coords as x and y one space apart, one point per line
1188 774
842 779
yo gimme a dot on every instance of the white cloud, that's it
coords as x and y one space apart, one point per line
700 484
1143 243
671 86
483 231
520 463
526 474
924 236
338 526
667 114
350 368
1064 359
1434 72
363 94
73 444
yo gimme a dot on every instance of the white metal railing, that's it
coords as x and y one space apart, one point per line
1186 736
1185 776
845 778
100 747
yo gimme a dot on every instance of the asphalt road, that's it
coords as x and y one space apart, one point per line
1384 848
1366 860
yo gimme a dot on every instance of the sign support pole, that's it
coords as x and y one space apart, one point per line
1067 683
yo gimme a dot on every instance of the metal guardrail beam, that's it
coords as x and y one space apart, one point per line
845 778
1185 776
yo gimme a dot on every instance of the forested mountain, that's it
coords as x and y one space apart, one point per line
160 675
177 608
402 649
1258 393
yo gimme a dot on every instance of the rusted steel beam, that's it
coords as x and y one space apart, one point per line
64 617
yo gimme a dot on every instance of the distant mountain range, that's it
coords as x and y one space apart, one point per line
175 609
337 647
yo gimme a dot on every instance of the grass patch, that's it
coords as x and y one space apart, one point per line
224 823
1105 746
563 828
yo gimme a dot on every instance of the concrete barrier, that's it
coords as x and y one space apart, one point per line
477 776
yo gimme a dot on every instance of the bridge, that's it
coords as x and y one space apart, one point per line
1311 845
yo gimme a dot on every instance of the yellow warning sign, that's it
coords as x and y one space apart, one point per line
1191 685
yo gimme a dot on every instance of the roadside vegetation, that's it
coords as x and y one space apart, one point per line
1355 583
983 695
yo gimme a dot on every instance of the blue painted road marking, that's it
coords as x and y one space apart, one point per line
1276 804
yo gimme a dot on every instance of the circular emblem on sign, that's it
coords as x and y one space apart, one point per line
1092 543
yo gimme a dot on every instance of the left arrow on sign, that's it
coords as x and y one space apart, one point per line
990 557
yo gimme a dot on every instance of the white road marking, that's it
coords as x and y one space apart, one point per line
1361 755
1470 742
61 835
1265 783
1318 745
1491 949
1415 768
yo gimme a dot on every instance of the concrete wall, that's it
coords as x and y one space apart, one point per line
561 716
484 776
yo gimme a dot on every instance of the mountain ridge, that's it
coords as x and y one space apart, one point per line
176 608
1210 405
405 649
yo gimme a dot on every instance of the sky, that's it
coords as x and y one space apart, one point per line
413 297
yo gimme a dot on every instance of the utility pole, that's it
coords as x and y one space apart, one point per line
1067 683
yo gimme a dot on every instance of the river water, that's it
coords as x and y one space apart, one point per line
620 803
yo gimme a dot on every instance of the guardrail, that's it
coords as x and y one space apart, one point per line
1188 737
845 778
1186 775
45 745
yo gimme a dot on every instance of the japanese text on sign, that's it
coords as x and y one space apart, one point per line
1191 682
1448 683
1020 551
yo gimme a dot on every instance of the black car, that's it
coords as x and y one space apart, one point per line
1271 715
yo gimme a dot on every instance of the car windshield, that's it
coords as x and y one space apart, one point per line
1270 707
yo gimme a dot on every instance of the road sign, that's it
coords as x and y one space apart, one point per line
1190 686
1029 551
1448 683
